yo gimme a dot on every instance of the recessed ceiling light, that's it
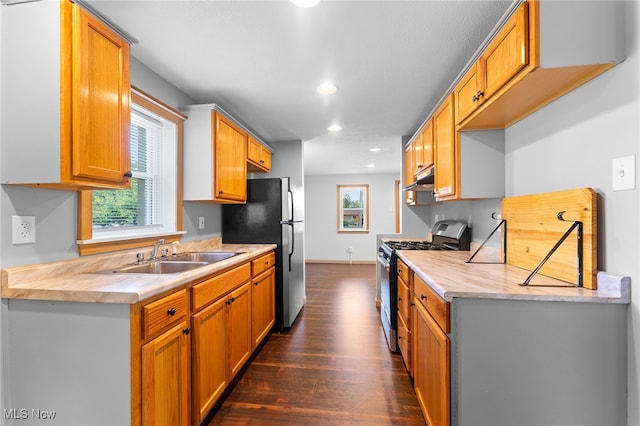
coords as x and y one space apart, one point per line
334 128
375 149
371 166
327 89
305 3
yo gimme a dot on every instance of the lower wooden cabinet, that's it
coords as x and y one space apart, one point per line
263 307
165 378
238 328
209 353
196 340
431 367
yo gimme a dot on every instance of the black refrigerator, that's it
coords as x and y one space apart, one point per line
273 214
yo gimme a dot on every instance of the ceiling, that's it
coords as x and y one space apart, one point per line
392 61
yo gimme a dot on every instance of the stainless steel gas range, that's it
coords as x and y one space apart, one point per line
446 235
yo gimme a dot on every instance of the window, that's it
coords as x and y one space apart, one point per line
353 208
151 208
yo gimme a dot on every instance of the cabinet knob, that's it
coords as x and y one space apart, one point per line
399 299
422 297
186 330
171 312
128 174
256 283
477 96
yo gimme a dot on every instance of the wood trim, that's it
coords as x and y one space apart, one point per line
136 368
396 207
155 105
85 215
107 246
354 262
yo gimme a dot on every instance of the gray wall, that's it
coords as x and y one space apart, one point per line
323 242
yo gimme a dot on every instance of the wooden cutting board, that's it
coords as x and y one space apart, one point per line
533 229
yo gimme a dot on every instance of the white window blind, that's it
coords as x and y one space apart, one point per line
139 206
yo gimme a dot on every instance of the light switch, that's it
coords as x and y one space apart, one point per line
623 173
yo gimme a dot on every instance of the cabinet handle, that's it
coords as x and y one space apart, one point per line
220 192
128 174
171 312
422 297
256 283
230 301
477 96
399 299
186 330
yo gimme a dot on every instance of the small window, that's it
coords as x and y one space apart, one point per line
138 210
353 208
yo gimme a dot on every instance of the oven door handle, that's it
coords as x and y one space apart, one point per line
384 262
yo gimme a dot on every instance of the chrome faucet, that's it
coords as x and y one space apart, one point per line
155 248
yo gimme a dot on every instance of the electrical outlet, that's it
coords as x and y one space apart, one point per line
201 222
23 229
623 173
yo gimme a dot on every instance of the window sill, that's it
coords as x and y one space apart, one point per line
94 246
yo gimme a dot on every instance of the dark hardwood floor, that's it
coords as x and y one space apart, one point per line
331 368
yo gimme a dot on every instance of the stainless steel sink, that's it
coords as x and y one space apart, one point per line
160 267
201 256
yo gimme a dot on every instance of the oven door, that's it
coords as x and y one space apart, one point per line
385 302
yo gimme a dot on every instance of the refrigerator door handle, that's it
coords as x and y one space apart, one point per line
290 195
293 243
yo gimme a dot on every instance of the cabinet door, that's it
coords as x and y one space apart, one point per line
209 356
409 164
165 378
263 308
431 367
417 153
100 101
230 168
239 328
445 152
507 54
258 156
469 92
427 144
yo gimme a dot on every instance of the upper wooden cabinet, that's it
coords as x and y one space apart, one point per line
531 61
258 156
215 156
507 54
66 129
422 145
445 150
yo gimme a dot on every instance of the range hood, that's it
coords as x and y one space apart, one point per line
424 181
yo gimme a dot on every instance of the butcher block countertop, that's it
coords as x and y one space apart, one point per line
84 279
450 276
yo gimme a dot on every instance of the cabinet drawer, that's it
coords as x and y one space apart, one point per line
161 313
263 263
403 271
404 301
212 288
434 304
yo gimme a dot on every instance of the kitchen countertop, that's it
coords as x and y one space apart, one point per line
449 276
82 279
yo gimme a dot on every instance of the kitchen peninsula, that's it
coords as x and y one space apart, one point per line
512 354
91 345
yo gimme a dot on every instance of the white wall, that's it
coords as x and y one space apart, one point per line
321 214
570 144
